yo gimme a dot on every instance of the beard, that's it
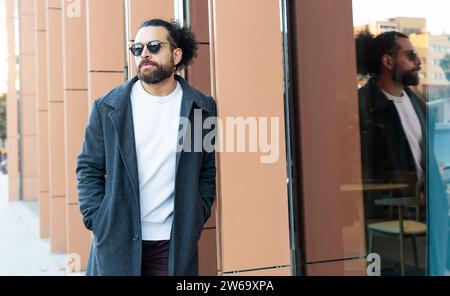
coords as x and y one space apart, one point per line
153 76
405 78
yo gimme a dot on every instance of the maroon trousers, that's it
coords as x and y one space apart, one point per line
155 256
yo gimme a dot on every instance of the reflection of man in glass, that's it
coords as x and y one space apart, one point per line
392 116
394 133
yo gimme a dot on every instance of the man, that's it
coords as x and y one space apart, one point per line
145 200
397 133
392 117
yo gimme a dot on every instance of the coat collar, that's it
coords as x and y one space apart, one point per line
380 101
122 119
120 97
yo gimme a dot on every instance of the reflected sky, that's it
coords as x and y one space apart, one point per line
435 11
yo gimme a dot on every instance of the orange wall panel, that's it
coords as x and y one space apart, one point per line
101 83
78 237
253 195
56 149
42 118
75 48
105 35
54 55
58 224
76 114
44 215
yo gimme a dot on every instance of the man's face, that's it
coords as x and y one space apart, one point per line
406 67
154 67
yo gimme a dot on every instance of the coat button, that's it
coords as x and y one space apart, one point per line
135 237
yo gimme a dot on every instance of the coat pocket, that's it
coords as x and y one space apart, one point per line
97 228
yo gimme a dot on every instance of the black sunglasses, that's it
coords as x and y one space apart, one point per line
153 47
410 54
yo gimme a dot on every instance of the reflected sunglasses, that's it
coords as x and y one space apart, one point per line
152 46
410 54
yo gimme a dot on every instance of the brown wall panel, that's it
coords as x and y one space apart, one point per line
207 250
74 44
199 73
78 237
43 152
284 271
76 114
44 215
334 226
41 69
56 149
105 64
99 84
27 28
54 55
74 47
141 10
42 117
28 70
199 19
25 7
253 195
28 115
355 267
211 223
105 35
28 110
29 156
58 224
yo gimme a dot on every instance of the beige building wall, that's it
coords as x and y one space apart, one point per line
409 25
379 27
57 182
28 108
248 82
12 105
42 118
432 49
74 39
439 47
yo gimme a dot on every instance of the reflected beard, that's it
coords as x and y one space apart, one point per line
409 78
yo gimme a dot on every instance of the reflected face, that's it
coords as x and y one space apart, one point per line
159 65
406 66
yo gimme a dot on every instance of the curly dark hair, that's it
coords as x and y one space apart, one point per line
370 50
179 37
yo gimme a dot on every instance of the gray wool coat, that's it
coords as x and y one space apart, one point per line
108 186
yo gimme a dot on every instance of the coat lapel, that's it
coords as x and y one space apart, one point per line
190 99
122 119
185 111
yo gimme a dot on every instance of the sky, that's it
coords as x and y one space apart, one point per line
436 12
